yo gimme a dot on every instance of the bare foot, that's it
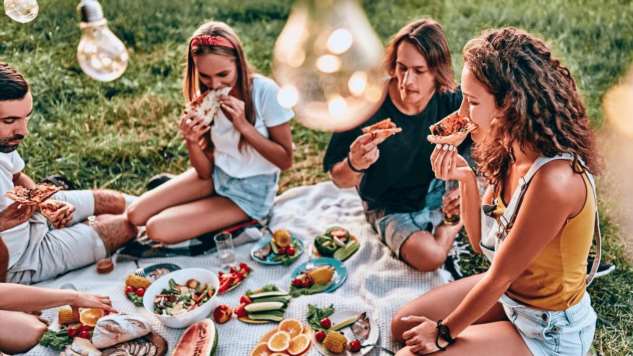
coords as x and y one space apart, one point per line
114 230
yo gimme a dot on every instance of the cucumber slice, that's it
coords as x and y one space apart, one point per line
347 251
345 323
282 299
256 296
266 306
266 316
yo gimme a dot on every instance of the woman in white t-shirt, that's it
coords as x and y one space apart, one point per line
236 160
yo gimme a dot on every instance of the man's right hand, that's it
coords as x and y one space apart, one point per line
16 214
364 151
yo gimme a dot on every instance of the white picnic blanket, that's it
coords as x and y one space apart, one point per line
378 283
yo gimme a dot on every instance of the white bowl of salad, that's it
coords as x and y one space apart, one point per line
183 297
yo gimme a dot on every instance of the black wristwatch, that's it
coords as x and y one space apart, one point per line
444 333
354 169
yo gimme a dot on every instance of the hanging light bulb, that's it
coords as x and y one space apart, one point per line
329 63
101 54
22 11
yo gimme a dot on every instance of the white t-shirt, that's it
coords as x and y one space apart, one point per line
268 113
16 238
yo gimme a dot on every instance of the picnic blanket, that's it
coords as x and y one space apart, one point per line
377 283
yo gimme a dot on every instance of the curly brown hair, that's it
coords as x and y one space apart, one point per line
543 110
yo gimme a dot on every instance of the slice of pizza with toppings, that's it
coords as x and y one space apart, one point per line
34 196
381 130
452 130
207 105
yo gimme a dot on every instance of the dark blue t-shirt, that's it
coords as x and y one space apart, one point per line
399 180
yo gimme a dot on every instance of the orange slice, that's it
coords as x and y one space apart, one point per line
291 326
279 342
90 317
279 354
260 349
268 334
299 344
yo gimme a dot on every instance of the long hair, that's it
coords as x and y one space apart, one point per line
428 37
543 110
193 86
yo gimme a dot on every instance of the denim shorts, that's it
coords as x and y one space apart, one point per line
254 195
568 332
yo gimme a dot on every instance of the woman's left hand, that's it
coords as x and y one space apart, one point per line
234 110
421 338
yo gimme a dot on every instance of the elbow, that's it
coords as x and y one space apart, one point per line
286 164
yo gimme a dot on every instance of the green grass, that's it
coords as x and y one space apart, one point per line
118 134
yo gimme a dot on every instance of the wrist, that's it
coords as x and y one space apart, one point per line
443 337
72 298
352 167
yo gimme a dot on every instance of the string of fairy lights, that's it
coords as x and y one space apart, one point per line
327 60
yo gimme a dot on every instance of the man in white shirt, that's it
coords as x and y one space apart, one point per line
38 251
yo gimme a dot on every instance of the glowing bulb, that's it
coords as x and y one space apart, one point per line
101 55
328 63
288 96
22 11
331 57
340 41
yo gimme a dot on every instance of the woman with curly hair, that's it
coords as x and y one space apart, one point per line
534 146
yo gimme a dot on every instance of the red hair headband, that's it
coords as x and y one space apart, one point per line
206 40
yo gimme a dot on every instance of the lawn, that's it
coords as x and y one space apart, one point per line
118 134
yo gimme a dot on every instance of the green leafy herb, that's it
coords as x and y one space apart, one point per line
56 340
315 314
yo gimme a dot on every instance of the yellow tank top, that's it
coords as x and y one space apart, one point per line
555 280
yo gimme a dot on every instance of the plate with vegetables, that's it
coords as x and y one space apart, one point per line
321 275
263 305
342 333
71 323
335 242
137 283
281 248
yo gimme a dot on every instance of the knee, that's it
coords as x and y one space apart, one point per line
397 327
423 259
135 215
28 336
155 231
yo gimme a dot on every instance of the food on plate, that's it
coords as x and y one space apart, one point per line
207 105
200 338
354 345
362 326
117 328
232 279
452 129
283 248
335 342
382 130
91 316
135 287
290 337
222 314
356 328
312 280
105 265
56 340
137 281
178 299
336 242
267 304
67 315
149 345
32 196
81 347
316 315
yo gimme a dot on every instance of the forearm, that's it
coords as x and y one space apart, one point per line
202 163
484 295
4 261
23 180
272 151
470 209
343 176
16 297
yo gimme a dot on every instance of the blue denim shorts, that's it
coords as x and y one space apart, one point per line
254 195
568 332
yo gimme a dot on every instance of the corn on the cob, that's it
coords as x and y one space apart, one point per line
67 315
137 281
335 342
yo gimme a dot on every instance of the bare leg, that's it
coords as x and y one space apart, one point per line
183 222
19 332
114 230
426 252
184 188
4 261
490 339
108 202
438 303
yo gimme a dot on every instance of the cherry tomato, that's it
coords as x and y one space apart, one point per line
297 282
282 251
245 300
240 311
140 292
84 328
129 289
354 345
290 251
245 267
84 334
326 323
72 332
320 335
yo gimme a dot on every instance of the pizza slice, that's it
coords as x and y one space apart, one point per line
33 196
381 130
452 130
207 105
49 207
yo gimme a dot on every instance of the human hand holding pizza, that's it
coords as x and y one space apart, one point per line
16 214
193 129
234 109
58 213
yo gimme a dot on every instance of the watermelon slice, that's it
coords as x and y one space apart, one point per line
200 338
